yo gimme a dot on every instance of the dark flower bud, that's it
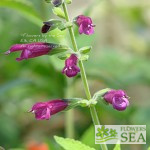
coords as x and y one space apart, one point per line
57 3
51 25
45 28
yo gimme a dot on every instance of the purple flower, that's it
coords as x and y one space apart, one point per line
31 50
85 25
118 99
44 110
71 69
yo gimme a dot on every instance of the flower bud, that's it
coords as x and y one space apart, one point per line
117 98
51 25
57 3
45 28
44 110
68 1
32 50
71 69
85 25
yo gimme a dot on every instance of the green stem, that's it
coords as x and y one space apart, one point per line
69 123
69 119
83 74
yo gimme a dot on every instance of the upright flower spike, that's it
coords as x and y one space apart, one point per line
44 110
32 50
118 99
71 69
85 25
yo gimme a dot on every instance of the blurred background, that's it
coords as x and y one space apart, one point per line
120 59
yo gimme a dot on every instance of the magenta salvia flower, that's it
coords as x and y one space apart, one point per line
118 99
44 110
71 69
85 25
32 50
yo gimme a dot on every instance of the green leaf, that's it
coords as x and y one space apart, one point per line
148 148
64 56
59 49
68 1
85 50
66 25
58 12
70 144
88 137
25 8
48 1
84 57
117 147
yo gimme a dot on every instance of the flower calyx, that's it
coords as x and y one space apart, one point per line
87 103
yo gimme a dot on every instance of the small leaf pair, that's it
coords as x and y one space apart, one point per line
84 53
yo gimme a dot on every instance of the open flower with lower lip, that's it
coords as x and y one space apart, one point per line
71 69
118 99
85 24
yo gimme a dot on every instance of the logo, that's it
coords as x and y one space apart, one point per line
124 134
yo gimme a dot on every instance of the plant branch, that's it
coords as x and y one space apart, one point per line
83 74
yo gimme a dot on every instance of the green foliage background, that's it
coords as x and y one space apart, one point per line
119 59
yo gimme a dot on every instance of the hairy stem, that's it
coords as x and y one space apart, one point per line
83 74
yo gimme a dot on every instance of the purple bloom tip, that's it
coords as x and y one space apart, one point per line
71 69
85 25
118 99
44 110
